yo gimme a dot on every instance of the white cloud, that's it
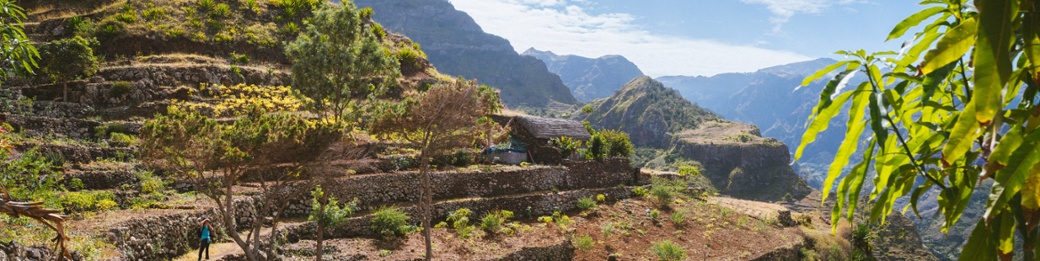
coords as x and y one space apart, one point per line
785 9
564 27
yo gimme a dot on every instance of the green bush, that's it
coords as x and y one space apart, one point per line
460 221
587 108
31 176
566 145
150 184
597 148
206 4
586 203
668 251
239 58
119 89
654 214
688 171
391 222
679 218
221 10
81 26
110 28
493 221
121 139
366 13
82 201
618 143
601 198
640 191
583 242
154 13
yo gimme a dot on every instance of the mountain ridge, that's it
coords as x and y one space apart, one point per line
589 78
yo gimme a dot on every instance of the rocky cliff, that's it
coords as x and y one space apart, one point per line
456 45
734 157
770 98
589 78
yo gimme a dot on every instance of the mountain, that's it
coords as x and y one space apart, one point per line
456 45
589 78
735 158
770 98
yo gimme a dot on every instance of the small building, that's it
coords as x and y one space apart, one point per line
531 135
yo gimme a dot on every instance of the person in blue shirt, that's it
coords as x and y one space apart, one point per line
205 239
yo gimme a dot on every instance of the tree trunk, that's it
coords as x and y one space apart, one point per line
229 224
65 92
426 203
321 234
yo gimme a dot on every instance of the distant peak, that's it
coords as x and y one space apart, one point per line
532 52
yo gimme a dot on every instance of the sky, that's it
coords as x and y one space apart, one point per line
694 37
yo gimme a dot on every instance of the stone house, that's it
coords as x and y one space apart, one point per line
531 135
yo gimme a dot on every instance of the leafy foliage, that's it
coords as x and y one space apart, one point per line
586 203
460 221
495 221
16 52
567 145
391 222
583 242
327 210
962 113
668 251
337 59
68 59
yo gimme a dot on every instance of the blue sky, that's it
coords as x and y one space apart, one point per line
694 37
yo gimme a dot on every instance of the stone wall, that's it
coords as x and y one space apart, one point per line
562 251
37 126
76 153
162 237
375 190
14 252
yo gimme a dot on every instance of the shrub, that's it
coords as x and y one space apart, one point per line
366 13
122 140
110 28
221 10
493 221
239 58
601 198
460 221
150 184
119 89
661 196
597 148
391 221
679 218
640 191
81 26
583 243
206 4
566 145
607 229
668 251
587 108
586 203
688 171
654 214
407 56
617 143
154 13
31 176
82 201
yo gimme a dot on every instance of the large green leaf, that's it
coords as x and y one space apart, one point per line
980 245
834 86
1010 180
856 125
820 123
855 182
962 136
953 45
913 20
824 71
993 56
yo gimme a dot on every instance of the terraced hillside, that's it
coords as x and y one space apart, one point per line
77 137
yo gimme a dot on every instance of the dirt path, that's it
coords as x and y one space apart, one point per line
220 250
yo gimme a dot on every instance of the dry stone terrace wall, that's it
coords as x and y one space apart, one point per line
377 190
163 237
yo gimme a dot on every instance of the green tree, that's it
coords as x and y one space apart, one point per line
214 156
326 212
949 118
68 59
337 59
447 116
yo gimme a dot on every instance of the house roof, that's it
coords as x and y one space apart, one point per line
547 128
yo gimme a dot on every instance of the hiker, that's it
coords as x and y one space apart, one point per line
204 239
